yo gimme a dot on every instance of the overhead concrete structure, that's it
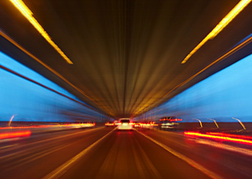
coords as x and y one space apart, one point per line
126 55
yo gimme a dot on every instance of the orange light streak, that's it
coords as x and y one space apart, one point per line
220 26
27 13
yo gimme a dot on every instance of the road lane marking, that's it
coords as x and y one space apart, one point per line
46 140
148 162
109 161
17 163
169 136
7 146
184 158
170 132
138 163
67 135
65 166
231 148
38 155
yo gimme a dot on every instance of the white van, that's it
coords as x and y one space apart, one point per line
124 124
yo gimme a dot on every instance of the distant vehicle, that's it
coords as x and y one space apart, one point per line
116 122
169 123
109 124
125 124
145 124
137 124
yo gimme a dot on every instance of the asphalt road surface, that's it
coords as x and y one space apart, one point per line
108 153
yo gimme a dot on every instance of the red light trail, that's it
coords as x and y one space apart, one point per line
8 135
220 136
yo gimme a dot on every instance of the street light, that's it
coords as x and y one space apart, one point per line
201 126
240 123
214 122
9 124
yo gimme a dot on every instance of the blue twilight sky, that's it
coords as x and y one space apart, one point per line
31 102
224 95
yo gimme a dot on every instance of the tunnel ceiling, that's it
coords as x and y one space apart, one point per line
126 54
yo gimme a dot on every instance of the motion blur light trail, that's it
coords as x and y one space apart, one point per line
145 153
230 135
48 126
8 135
225 147
224 138
19 4
218 28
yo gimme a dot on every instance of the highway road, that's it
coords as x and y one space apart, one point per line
105 152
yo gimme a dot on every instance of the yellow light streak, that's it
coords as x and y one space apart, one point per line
19 4
218 28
